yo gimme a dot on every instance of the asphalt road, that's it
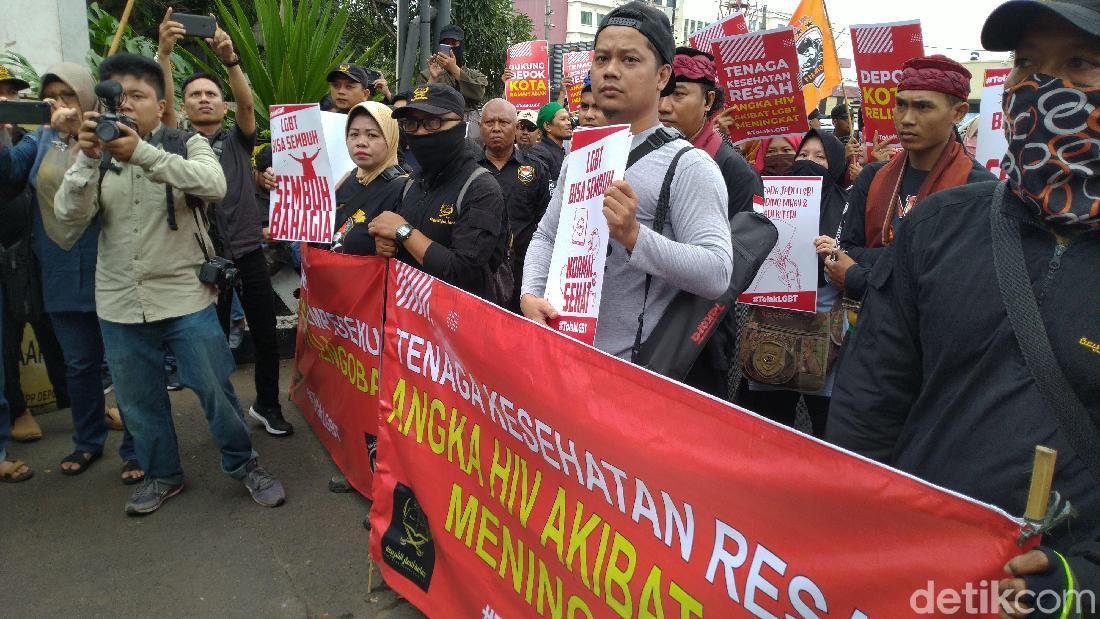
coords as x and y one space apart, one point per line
67 549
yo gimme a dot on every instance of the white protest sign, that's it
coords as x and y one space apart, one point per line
788 278
575 282
335 126
992 143
303 202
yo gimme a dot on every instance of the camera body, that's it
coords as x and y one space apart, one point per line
110 93
220 272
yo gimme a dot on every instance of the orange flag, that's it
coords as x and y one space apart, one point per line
817 59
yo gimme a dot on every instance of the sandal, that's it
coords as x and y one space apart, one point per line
130 467
85 460
13 476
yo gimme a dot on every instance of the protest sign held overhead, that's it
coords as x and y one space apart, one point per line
818 65
575 66
303 202
759 74
788 278
338 356
992 143
880 52
726 27
509 490
529 88
575 282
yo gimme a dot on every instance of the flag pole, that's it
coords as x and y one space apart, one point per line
843 89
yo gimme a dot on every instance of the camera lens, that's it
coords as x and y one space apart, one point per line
106 131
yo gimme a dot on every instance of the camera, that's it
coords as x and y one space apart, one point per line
220 272
110 93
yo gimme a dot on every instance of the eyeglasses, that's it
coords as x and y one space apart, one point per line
431 123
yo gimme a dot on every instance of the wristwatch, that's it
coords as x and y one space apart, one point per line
404 231
232 63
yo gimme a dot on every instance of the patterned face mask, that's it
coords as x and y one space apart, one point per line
1053 158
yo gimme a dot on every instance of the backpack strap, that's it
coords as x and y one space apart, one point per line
1027 323
655 140
660 217
478 171
408 186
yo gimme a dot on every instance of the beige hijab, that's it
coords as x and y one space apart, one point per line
56 161
384 117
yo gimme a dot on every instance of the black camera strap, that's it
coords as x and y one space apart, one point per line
198 237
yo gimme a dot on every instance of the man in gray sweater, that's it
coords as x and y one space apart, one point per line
632 68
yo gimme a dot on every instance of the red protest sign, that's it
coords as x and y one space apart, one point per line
529 88
759 74
880 50
338 357
575 66
992 142
303 202
578 485
728 27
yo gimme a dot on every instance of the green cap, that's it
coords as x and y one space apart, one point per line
547 112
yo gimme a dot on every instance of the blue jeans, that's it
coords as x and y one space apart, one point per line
135 353
82 345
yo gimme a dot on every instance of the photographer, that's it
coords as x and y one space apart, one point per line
238 231
152 251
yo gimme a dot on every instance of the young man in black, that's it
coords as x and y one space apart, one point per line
524 181
462 241
237 229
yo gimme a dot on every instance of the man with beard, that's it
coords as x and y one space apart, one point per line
451 222
556 128
931 98
978 336
524 182
646 268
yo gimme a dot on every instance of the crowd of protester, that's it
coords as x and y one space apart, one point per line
927 367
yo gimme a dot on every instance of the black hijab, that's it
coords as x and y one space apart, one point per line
833 197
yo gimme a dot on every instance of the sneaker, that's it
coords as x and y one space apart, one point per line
272 418
108 382
172 382
150 496
265 489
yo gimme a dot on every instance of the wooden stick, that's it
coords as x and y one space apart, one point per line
1042 478
121 27
370 575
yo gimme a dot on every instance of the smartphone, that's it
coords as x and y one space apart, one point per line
24 112
446 49
202 26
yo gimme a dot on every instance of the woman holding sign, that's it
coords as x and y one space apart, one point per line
375 185
774 392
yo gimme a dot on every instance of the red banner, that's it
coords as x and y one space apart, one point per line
575 66
759 74
523 474
880 51
337 362
728 27
529 88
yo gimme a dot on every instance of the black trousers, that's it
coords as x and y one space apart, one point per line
51 355
782 407
258 301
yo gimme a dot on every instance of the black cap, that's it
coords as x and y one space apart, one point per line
839 111
651 22
353 72
1007 23
814 114
452 31
435 99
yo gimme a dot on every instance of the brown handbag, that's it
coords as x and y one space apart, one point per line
793 350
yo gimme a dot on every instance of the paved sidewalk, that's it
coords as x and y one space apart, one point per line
67 549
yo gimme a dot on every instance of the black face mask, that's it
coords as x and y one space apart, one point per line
434 151
805 167
778 165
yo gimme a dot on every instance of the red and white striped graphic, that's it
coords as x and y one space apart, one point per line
742 48
728 27
414 288
520 49
876 40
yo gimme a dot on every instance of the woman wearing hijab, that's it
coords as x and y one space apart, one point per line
68 264
776 155
818 154
376 183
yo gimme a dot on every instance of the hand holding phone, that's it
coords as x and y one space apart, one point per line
202 26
